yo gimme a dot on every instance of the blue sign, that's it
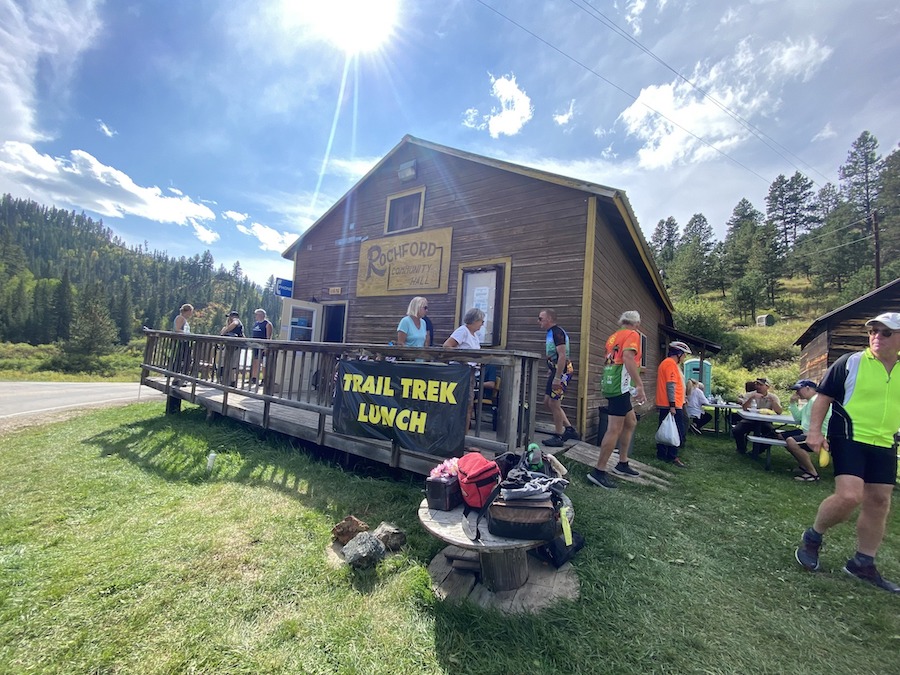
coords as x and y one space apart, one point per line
284 288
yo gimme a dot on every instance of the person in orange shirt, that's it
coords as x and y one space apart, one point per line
670 398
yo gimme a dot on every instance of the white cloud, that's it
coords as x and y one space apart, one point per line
175 191
563 119
633 15
607 152
354 169
515 107
825 133
45 35
235 216
269 238
795 59
204 234
514 112
84 182
600 132
688 127
105 129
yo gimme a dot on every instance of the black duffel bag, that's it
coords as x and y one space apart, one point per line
524 518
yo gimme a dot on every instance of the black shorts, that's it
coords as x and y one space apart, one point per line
870 462
798 435
619 406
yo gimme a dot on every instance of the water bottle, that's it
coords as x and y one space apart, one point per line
533 457
753 405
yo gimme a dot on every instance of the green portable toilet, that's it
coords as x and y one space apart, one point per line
692 372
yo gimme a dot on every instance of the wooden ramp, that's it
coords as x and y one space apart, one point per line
588 455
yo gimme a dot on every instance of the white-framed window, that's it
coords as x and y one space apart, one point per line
404 211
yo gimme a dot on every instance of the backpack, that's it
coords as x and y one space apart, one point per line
478 476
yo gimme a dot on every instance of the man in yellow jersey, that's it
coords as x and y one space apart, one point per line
864 394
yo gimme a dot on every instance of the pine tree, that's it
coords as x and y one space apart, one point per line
859 174
94 333
888 207
689 269
64 307
663 243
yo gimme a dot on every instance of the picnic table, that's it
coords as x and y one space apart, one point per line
765 441
504 563
726 410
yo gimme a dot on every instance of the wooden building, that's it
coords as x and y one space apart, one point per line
843 330
465 230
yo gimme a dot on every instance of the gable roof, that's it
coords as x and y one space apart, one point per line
615 201
838 313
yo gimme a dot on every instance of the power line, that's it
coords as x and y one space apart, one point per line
825 250
627 93
758 133
837 229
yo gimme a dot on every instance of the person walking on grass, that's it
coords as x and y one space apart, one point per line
621 380
556 346
670 399
863 390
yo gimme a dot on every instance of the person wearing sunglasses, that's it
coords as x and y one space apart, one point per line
863 389
411 329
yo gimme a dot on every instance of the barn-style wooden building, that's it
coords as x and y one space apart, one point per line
843 330
466 230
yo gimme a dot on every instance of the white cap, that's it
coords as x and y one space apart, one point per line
889 319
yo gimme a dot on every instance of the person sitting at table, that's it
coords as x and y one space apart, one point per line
694 400
796 438
764 399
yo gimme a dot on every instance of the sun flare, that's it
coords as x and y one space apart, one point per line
354 26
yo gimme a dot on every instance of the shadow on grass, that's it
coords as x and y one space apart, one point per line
177 448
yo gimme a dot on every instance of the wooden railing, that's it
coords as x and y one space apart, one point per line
302 375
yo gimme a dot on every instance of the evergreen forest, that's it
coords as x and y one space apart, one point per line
842 241
67 279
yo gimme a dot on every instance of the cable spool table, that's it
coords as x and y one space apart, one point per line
504 562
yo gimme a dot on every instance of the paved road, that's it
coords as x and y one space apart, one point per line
23 399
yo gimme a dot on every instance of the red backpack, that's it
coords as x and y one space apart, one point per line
477 478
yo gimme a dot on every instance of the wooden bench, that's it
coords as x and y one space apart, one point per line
768 442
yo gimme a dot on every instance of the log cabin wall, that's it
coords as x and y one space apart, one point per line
814 358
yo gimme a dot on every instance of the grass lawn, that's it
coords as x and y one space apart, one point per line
118 553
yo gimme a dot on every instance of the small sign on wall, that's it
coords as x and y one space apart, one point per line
334 290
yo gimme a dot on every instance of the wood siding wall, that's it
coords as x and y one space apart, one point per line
844 332
493 213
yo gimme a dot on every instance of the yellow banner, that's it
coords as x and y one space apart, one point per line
405 264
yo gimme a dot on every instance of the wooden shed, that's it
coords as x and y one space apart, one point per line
843 330
466 230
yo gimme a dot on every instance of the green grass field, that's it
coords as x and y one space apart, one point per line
119 553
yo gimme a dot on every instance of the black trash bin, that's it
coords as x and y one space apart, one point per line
602 424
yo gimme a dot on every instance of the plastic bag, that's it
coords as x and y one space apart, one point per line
667 434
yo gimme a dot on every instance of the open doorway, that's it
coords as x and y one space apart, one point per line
335 323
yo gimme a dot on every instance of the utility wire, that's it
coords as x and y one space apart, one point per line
760 135
627 93
819 235
832 248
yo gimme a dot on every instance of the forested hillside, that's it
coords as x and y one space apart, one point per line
843 241
60 270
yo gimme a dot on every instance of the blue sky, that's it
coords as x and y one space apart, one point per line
233 125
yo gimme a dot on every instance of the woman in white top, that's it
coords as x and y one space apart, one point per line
695 399
464 338
182 361
411 330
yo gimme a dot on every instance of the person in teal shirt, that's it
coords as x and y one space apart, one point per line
411 329
796 439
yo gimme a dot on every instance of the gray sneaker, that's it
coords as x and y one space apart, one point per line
807 553
622 468
602 479
869 574
570 434
554 442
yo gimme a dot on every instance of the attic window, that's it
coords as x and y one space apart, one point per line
404 211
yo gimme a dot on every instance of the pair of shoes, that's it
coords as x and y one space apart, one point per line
696 430
807 553
602 479
869 574
806 477
625 470
570 434
554 442
677 462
